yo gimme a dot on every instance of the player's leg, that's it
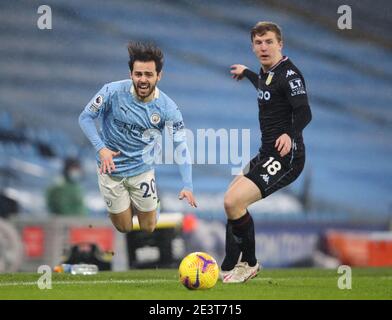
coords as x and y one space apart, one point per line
237 199
147 220
235 208
268 173
235 180
232 249
123 220
145 200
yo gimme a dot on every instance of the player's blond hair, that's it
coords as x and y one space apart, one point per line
262 27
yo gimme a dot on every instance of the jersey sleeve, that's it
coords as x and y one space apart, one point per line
294 88
99 103
175 124
94 109
252 77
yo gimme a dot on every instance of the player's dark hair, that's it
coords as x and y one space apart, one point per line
262 27
139 51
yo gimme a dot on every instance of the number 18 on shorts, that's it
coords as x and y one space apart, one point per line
271 173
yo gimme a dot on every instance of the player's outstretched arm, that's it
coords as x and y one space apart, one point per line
239 71
184 162
185 167
182 156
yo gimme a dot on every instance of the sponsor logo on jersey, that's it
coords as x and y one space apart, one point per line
131 128
297 87
155 118
264 95
290 73
269 78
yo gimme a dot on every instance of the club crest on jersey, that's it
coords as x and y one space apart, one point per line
108 202
269 78
155 118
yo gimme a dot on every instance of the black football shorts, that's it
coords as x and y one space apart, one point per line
270 172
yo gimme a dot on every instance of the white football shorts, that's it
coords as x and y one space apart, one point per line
119 193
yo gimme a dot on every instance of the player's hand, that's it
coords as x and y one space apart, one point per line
283 144
106 155
237 71
189 196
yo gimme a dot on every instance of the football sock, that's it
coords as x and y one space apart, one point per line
232 250
244 235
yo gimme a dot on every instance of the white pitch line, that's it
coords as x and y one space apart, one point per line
34 283
152 281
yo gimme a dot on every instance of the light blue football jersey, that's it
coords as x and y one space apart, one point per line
123 120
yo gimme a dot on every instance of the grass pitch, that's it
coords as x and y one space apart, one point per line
304 284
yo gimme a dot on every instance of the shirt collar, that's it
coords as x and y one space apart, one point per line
284 58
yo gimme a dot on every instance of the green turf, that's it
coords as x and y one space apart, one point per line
367 283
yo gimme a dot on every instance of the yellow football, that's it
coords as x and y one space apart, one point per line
198 270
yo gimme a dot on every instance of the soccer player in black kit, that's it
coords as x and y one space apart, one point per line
283 113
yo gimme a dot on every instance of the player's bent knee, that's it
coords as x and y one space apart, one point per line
122 221
232 207
148 227
147 221
228 203
123 229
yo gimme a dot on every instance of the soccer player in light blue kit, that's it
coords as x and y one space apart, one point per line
129 110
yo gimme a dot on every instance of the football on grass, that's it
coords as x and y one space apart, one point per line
198 270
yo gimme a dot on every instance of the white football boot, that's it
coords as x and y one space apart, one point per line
223 274
242 272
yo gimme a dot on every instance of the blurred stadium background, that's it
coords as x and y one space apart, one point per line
339 210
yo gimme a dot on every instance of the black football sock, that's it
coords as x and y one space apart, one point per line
244 235
232 250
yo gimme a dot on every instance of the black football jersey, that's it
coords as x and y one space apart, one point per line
283 103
